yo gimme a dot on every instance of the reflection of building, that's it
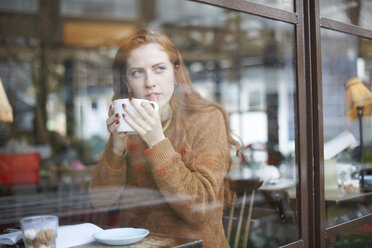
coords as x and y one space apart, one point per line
225 52
242 61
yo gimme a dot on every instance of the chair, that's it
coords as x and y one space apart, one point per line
74 202
72 190
280 201
242 187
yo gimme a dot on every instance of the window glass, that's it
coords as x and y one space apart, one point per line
347 84
22 6
60 83
359 237
356 12
95 9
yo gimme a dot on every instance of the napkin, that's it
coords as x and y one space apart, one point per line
10 238
74 235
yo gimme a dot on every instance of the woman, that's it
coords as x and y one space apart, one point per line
175 167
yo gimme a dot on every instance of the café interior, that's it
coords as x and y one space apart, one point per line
57 86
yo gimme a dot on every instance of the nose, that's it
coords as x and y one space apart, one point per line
150 82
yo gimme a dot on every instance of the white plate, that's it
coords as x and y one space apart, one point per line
121 236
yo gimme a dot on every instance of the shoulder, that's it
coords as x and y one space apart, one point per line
207 127
210 116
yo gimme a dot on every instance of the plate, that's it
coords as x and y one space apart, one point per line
121 236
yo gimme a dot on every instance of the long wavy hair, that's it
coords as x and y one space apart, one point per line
185 97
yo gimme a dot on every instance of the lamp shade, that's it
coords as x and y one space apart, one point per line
357 95
6 112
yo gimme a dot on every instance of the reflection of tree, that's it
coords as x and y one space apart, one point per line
40 109
30 42
69 96
353 11
270 50
48 28
271 61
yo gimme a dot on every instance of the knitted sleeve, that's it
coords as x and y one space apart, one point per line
194 190
108 179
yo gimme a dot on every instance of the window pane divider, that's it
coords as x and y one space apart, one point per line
254 9
296 244
333 231
345 28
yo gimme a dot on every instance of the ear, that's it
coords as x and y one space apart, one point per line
176 71
125 82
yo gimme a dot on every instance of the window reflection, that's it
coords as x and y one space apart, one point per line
95 9
346 197
360 237
61 88
352 12
21 6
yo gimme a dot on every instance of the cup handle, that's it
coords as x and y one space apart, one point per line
154 105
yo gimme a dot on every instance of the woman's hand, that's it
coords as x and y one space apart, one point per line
147 122
119 140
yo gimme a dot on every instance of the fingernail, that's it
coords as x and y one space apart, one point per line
124 105
130 98
117 122
117 115
123 115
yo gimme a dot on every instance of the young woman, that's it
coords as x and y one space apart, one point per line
175 167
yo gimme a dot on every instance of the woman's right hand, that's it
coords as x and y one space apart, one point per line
119 140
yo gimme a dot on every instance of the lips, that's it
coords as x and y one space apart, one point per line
156 94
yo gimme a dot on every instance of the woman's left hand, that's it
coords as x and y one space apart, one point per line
146 122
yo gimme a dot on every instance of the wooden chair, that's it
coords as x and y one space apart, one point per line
74 202
243 188
72 190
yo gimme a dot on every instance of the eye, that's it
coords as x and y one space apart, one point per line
136 73
160 68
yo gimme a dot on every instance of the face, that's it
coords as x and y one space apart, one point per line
150 73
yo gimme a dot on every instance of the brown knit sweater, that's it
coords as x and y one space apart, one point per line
168 191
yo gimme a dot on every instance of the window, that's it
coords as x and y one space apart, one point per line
345 167
277 67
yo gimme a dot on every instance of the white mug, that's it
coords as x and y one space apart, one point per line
118 109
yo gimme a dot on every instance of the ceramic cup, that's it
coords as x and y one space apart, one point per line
118 109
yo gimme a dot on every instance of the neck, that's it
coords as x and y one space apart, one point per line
166 112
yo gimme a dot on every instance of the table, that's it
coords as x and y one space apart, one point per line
336 197
343 211
334 200
333 197
153 240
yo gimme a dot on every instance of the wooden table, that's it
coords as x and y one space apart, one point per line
336 197
340 207
153 240
332 196
334 200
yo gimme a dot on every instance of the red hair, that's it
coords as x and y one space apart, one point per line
185 97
